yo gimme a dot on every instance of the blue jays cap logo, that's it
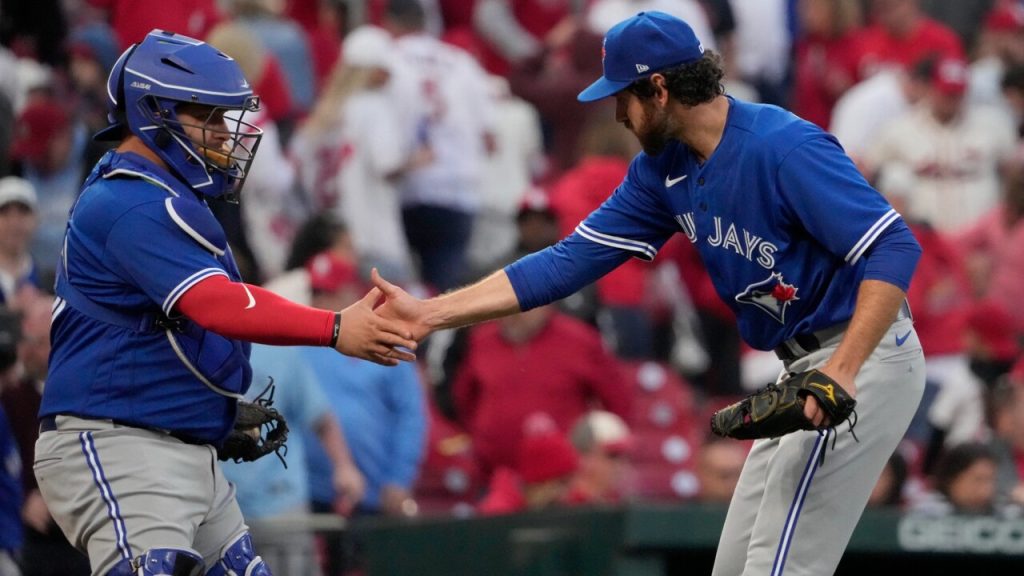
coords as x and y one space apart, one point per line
772 295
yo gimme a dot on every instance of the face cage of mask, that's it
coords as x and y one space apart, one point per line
233 158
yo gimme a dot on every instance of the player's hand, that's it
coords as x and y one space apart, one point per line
401 306
396 501
813 412
366 335
349 487
35 513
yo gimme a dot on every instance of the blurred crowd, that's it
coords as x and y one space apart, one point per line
437 140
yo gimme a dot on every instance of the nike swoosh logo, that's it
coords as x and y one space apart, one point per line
901 339
670 182
252 301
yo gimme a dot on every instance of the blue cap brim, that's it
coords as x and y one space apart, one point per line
602 88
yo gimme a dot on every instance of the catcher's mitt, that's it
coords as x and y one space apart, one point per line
259 430
779 408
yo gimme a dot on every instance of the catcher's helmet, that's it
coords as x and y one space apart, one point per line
153 78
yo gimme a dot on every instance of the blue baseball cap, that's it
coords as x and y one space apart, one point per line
638 47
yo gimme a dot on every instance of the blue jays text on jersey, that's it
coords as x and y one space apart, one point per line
137 239
780 215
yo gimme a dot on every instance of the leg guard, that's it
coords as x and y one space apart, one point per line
240 559
161 562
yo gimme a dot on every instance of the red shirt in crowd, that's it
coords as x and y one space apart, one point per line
579 192
824 68
877 48
133 19
504 495
939 294
563 370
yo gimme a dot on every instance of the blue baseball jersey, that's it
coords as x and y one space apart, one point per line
137 239
780 215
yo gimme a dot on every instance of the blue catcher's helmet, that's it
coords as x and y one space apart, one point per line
154 79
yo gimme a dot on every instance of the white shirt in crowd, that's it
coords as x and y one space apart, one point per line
347 169
603 14
955 165
448 93
865 108
508 172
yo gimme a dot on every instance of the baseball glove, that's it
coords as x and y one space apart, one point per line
259 430
779 408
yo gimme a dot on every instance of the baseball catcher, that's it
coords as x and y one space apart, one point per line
779 408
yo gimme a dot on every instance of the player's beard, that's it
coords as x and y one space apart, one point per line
654 133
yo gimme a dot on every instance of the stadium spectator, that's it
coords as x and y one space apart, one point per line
1006 410
381 411
888 490
541 475
92 51
516 162
994 246
824 63
514 30
601 15
1013 92
550 81
48 147
964 482
719 463
603 443
133 19
18 221
319 233
454 118
46 551
952 148
539 361
286 40
763 46
270 493
352 149
864 109
624 295
901 34
1001 48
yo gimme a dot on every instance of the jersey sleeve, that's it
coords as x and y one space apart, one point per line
158 255
823 191
634 219
632 222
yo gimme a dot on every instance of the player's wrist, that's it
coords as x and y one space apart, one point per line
335 330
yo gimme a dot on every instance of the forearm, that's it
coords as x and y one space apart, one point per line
877 305
332 438
247 312
492 297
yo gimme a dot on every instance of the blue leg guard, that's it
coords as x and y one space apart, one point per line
161 562
240 559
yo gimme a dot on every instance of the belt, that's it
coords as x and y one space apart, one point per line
49 424
803 344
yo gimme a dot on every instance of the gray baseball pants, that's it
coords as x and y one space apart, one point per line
118 491
789 516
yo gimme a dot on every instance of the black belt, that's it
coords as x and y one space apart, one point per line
49 424
803 344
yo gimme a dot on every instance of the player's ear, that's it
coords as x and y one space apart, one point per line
660 88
